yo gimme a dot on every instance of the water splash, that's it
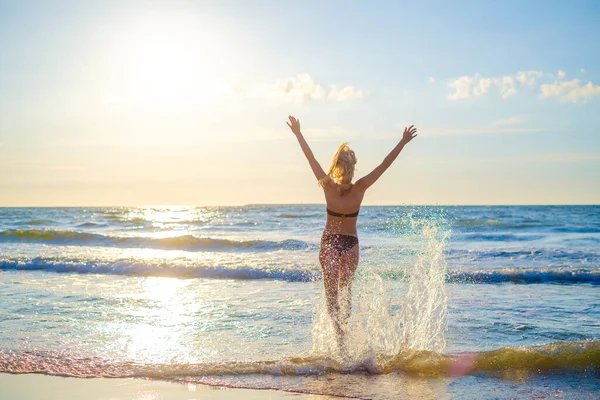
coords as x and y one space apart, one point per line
424 312
375 335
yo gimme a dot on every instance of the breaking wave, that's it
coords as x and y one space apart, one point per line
291 274
185 242
567 356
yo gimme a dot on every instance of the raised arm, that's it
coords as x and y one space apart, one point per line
366 181
294 125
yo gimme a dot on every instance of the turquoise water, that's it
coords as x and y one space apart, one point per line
448 302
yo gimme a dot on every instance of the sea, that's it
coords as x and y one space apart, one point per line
449 302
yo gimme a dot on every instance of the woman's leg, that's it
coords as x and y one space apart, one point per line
347 270
338 273
330 265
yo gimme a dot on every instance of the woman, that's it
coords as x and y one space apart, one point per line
339 244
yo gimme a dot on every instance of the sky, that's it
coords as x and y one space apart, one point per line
184 103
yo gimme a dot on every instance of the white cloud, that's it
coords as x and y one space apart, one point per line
301 89
431 80
514 120
570 91
478 85
347 93
508 92
462 88
482 86
528 78
507 86
561 74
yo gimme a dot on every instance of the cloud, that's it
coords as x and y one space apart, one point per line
482 86
301 89
431 80
514 120
528 78
477 85
462 88
507 86
572 91
347 93
582 70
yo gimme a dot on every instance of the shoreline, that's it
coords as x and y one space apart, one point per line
307 205
48 387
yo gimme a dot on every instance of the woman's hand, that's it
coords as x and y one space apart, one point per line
295 125
409 134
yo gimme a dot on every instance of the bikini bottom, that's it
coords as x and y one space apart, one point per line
339 242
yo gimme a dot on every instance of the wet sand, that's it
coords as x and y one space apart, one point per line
43 387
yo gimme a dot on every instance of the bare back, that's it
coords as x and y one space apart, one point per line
347 203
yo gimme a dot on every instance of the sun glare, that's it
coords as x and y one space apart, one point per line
166 61
165 67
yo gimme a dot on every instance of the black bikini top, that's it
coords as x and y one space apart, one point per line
336 214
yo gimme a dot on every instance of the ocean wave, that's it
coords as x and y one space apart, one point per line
526 276
500 237
497 224
463 225
298 215
37 222
91 225
179 269
560 356
477 222
549 254
512 275
185 242
127 221
148 268
577 229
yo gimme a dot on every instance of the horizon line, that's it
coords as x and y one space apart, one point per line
307 204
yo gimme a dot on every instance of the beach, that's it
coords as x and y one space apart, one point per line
16 387
448 302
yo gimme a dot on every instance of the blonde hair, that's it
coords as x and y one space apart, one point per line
341 171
